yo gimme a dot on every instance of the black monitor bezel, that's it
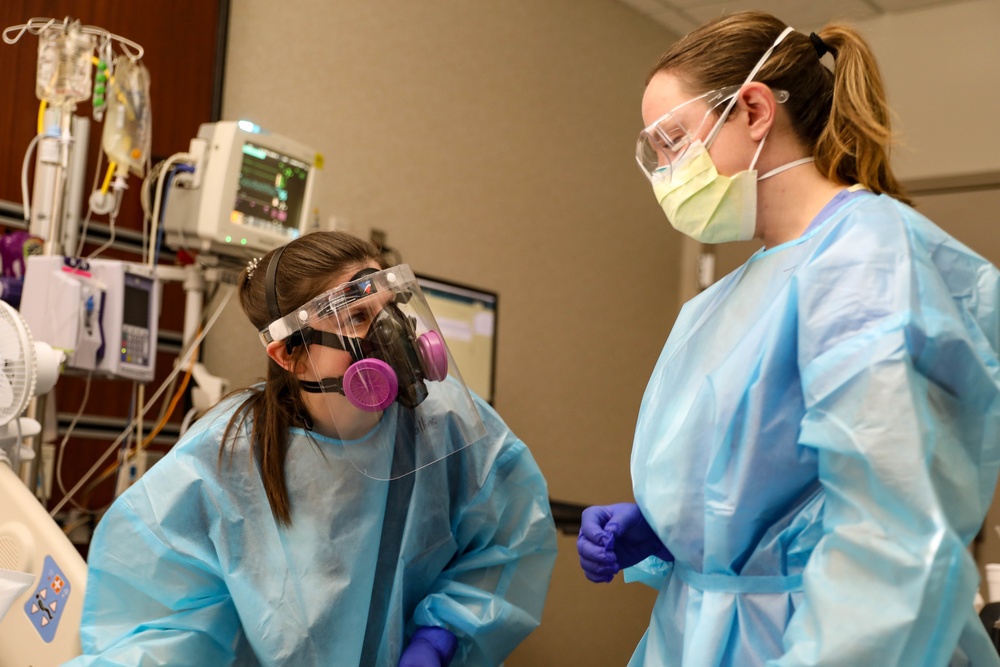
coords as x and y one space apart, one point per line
496 321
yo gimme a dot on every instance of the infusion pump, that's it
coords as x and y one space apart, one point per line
102 313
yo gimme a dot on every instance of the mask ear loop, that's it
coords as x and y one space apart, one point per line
760 147
786 167
753 73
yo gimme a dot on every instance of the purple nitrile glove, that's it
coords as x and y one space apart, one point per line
429 647
613 537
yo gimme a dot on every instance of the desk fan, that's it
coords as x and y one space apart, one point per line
42 626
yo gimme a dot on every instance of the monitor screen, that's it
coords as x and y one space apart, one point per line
271 191
136 307
467 317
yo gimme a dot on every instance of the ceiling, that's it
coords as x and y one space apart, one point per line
683 16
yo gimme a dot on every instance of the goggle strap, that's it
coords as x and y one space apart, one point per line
753 73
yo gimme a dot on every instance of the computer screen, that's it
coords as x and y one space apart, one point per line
250 192
467 317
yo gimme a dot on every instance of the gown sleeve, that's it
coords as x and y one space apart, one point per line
153 594
897 348
492 592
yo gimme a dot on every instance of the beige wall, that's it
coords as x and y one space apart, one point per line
493 143
942 69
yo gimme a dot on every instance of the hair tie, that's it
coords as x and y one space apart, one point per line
251 267
822 48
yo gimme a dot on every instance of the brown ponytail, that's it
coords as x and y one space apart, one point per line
854 145
306 267
840 116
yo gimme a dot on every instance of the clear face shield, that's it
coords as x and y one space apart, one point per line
381 376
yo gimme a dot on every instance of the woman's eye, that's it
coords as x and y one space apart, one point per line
670 143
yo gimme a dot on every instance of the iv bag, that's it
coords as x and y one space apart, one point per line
128 121
64 62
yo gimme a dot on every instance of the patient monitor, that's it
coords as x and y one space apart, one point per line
250 191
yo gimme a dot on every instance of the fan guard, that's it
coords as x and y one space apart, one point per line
17 364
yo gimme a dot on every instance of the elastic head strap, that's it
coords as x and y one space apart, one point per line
367 271
270 292
753 73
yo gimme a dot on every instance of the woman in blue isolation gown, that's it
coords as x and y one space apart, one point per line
300 524
820 438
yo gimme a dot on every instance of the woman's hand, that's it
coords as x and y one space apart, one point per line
429 647
613 537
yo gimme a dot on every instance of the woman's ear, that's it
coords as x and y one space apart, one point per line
277 351
757 100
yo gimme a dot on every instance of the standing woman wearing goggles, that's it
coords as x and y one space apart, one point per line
359 507
820 439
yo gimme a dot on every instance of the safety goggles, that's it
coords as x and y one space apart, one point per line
664 142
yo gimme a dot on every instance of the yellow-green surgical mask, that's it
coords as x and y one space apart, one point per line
710 207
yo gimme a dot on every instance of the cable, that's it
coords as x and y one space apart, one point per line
188 418
144 442
112 165
76 523
159 236
112 219
42 106
90 209
135 414
173 403
25 196
170 161
65 439
17 447
114 445
149 184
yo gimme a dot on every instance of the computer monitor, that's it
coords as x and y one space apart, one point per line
467 317
250 192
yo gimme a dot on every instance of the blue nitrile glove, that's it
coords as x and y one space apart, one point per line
613 537
429 647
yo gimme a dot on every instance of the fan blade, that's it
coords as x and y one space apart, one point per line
6 393
10 347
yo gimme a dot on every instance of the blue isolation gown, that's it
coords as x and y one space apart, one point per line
190 567
817 446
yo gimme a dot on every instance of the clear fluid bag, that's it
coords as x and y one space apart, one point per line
64 65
